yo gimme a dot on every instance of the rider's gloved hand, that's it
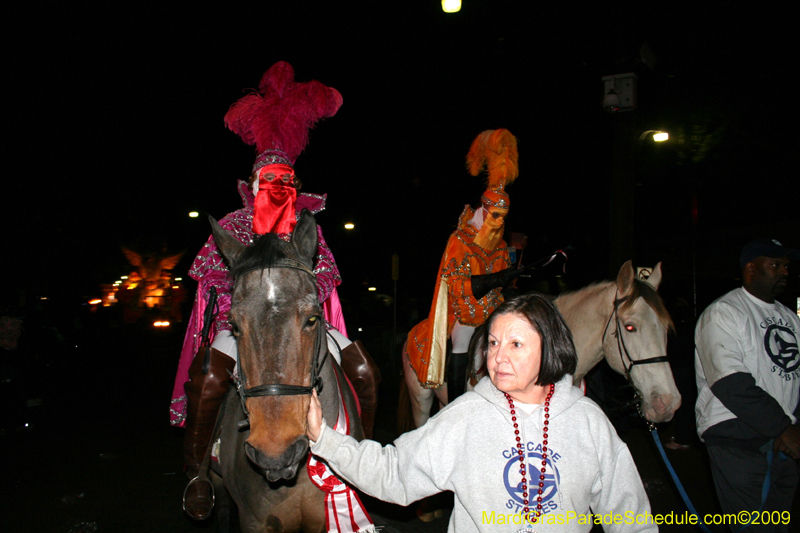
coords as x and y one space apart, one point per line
482 284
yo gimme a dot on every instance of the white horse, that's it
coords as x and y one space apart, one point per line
624 321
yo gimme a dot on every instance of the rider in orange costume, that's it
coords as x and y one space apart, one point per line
474 269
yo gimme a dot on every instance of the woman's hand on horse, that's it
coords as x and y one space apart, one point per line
314 417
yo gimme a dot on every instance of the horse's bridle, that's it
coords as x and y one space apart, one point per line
280 389
624 349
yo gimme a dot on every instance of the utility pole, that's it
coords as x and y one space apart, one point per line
619 101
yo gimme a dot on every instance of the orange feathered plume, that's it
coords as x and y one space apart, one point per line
495 151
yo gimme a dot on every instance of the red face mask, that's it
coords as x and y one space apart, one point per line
274 207
282 173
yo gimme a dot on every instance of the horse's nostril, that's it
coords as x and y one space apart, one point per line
252 453
300 449
664 407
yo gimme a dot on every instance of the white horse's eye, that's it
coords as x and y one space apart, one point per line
630 328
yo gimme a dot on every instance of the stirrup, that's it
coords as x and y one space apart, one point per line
213 498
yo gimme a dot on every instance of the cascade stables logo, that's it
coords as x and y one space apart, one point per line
780 343
512 478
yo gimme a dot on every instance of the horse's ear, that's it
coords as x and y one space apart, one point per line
304 237
625 279
655 277
231 248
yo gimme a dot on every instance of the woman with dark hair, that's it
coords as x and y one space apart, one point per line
525 449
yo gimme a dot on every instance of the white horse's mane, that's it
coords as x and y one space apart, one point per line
573 302
577 302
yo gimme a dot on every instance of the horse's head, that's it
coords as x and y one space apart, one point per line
279 329
635 342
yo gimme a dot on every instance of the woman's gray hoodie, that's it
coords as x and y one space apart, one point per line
469 448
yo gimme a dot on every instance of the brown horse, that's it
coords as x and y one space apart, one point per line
283 355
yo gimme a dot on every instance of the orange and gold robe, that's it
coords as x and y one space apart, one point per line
453 300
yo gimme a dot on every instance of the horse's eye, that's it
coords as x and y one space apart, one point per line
235 329
630 328
312 320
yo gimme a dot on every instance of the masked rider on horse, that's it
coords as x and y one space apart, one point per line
275 119
474 268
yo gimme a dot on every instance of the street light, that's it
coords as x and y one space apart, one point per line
451 6
623 185
658 136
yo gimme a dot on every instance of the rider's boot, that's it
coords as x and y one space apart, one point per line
456 375
204 395
365 376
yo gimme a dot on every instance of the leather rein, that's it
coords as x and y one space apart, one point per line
280 389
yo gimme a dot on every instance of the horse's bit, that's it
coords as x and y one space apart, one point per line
624 349
280 389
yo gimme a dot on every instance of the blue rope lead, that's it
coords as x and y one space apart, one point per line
677 482
682 491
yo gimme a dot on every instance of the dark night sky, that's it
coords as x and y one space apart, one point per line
114 128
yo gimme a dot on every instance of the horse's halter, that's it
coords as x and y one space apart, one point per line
624 349
280 389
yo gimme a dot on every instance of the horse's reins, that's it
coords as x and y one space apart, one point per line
623 350
280 389
212 309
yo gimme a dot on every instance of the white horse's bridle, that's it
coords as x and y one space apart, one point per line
624 349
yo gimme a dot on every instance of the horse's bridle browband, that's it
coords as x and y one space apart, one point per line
281 262
621 344
280 389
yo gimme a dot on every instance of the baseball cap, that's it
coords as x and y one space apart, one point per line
766 248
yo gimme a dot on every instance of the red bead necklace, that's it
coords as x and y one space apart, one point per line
521 452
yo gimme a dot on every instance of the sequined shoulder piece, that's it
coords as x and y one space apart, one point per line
313 202
248 199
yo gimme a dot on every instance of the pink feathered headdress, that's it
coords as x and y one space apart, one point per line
277 118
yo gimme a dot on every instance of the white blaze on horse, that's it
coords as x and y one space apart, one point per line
624 321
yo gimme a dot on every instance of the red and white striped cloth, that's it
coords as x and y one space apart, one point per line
344 512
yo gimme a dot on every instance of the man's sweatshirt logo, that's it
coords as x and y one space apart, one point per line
533 469
781 346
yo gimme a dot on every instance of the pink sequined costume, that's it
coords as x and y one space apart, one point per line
209 270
